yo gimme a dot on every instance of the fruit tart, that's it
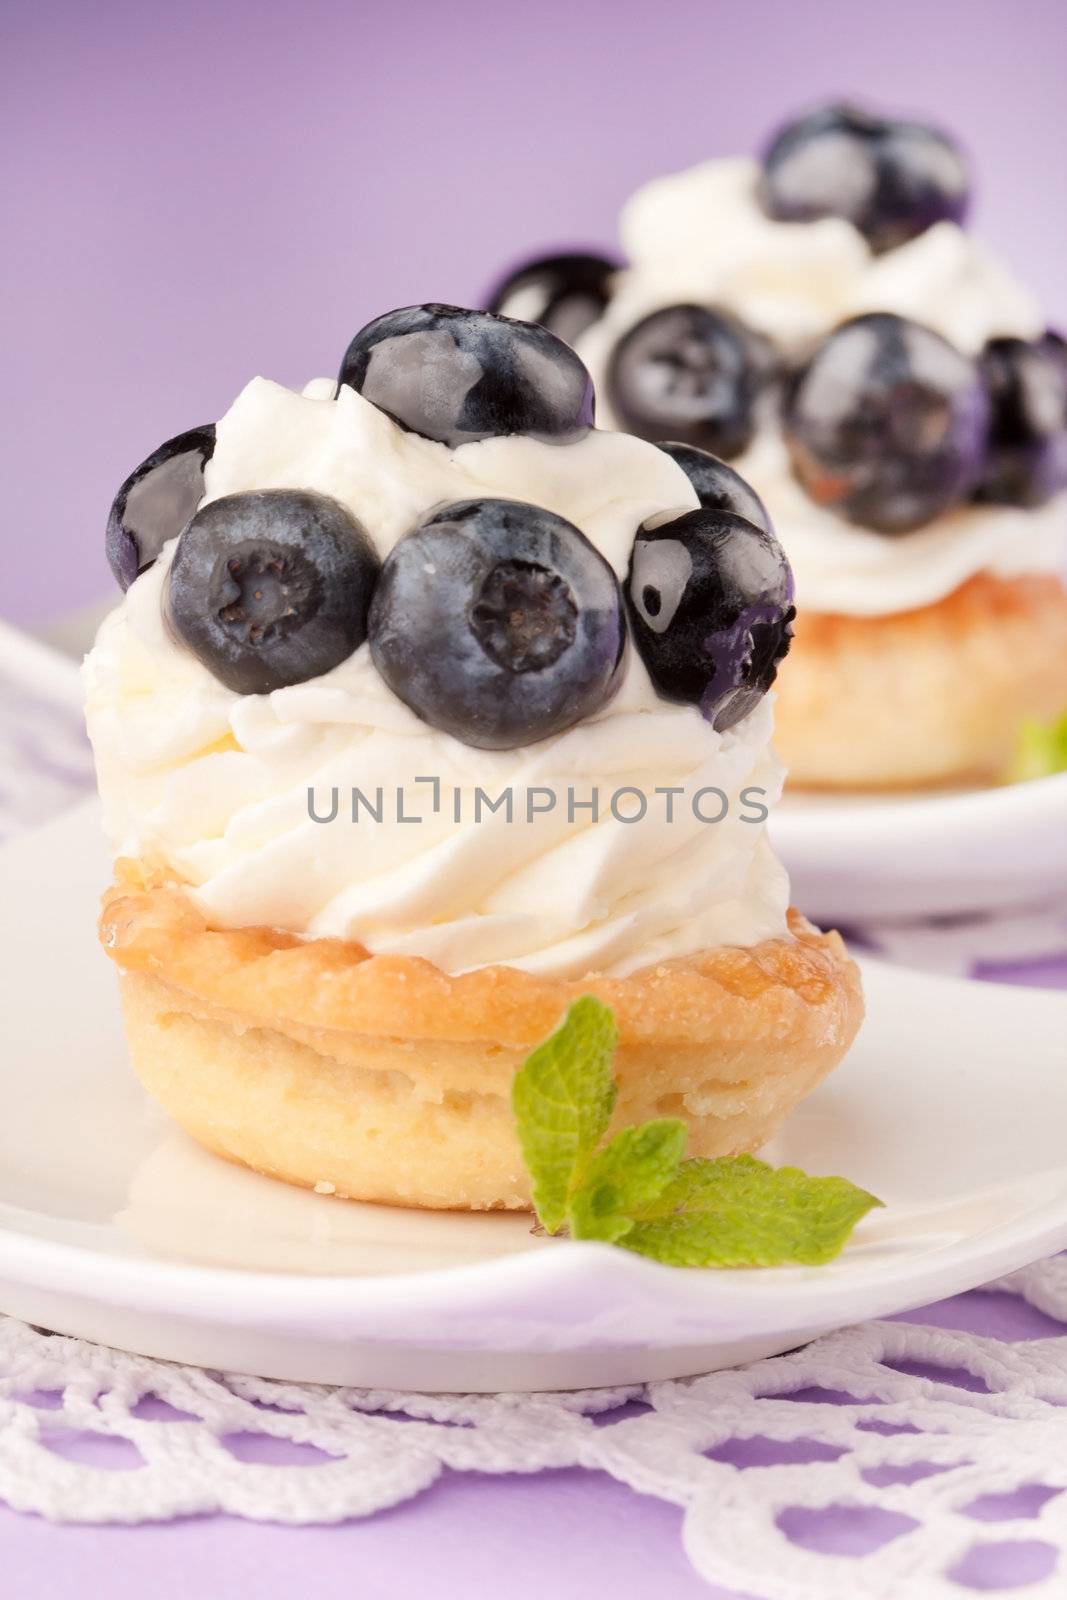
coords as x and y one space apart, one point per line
821 319
428 708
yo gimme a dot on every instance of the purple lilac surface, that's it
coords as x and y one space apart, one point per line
206 192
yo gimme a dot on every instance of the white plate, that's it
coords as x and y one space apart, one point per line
113 1226
860 858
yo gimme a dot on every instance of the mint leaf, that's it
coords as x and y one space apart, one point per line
562 1099
739 1212
637 1192
629 1174
1040 751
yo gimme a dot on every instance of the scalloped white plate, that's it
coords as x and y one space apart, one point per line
114 1227
871 858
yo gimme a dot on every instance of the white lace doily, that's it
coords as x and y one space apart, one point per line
963 947
943 1432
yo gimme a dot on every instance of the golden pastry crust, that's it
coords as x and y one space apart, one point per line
922 697
384 1078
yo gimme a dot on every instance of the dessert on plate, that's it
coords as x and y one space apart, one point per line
821 319
430 707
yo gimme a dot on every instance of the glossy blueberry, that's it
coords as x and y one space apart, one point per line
1027 387
710 597
271 588
887 423
892 179
688 373
564 293
499 623
156 501
718 487
457 376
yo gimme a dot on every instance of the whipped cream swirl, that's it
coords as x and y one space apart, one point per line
212 787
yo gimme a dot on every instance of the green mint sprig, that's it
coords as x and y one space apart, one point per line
1040 750
637 1191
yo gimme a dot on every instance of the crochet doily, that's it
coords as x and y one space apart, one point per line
45 762
900 1438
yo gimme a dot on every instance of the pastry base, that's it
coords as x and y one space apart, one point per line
922 697
383 1078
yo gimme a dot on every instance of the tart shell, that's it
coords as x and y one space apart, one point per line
384 1078
931 696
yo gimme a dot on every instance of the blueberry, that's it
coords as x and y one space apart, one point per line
1027 386
565 293
718 487
271 588
710 597
886 424
156 502
892 179
457 376
499 623
688 373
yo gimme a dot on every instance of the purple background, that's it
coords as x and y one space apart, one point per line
203 192
206 191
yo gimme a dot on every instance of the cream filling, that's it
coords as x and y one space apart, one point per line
214 786
702 233
842 568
